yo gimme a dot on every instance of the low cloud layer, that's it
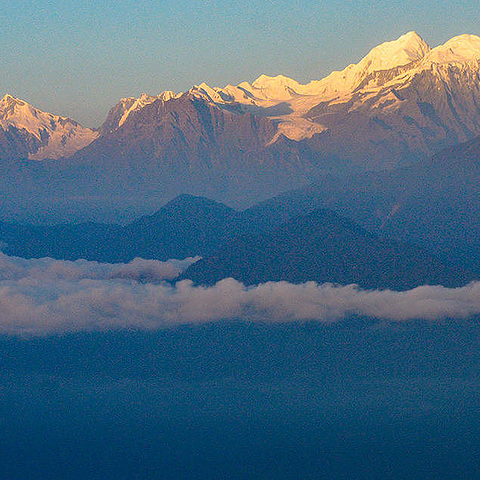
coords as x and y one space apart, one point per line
48 269
43 296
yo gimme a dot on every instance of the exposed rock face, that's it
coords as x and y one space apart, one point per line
409 117
184 129
189 144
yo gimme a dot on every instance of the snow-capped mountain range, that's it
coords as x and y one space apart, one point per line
240 144
402 101
432 90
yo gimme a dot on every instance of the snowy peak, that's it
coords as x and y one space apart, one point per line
397 53
9 100
460 49
8 104
16 112
406 49
119 113
52 136
279 87
138 103
210 94
264 82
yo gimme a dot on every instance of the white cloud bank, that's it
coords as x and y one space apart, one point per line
42 296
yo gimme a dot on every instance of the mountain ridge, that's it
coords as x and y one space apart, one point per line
44 135
398 60
243 144
383 105
321 246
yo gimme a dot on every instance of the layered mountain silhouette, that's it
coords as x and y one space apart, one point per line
433 204
186 226
324 247
251 247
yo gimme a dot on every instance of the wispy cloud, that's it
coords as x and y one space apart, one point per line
46 296
16 268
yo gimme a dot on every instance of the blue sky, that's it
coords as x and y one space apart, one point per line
77 58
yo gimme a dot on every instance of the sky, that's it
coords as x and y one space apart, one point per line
78 58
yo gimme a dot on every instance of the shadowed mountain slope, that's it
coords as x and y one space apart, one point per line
434 204
324 247
186 226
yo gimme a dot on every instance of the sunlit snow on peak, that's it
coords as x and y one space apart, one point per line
463 48
287 101
55 136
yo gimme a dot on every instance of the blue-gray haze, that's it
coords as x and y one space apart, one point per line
359 400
